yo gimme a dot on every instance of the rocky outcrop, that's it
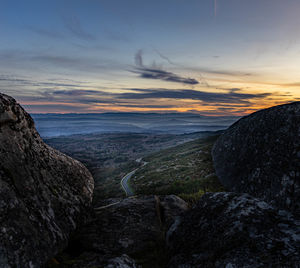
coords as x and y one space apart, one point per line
121 262
43 193
133 227
260 155
234 230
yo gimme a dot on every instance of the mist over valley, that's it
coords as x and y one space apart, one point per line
52 125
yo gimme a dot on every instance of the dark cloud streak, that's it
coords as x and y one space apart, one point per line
232 96
157 73
210 97
151 73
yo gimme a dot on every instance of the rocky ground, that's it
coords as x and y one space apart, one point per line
234 230
119 228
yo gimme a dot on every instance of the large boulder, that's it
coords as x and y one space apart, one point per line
234 230
43 193
260 155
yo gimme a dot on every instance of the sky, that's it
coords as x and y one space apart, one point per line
212 57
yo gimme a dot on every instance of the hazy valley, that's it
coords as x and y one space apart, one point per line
50 125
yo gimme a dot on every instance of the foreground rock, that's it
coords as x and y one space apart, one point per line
43 193
260 155
234 230
121 262
131 230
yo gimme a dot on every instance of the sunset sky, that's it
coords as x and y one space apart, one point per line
224 57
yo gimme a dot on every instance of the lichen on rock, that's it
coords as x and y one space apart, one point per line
236 229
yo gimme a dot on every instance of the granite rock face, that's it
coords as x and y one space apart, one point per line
43 193
234 230
121 262
260 155
133 227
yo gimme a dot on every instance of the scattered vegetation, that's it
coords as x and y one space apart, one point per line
185 170
111 156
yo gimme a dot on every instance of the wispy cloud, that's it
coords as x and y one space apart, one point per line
220 71
73 24
296 84
158 73
209 97
143 98
56 107
151 73
10 80
202 79
71 94
79 63
165 57
46 32
41 60
77 92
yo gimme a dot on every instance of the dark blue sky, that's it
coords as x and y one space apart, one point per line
85 56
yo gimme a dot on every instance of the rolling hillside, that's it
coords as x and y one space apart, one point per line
185 170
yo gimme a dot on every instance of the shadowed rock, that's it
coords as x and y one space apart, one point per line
121 262
43 193
234 230
260 155
133 226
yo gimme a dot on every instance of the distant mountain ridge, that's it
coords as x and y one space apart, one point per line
51 125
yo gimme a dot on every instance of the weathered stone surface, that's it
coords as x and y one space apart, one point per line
234 230
121 262
171 206
260 155
43 193
132 226
94 260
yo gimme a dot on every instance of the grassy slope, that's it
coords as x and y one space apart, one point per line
185 170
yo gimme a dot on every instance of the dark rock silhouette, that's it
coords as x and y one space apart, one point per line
133 227
260 155
43 193
121 262
234 230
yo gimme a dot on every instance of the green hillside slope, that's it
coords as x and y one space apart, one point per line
185 170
